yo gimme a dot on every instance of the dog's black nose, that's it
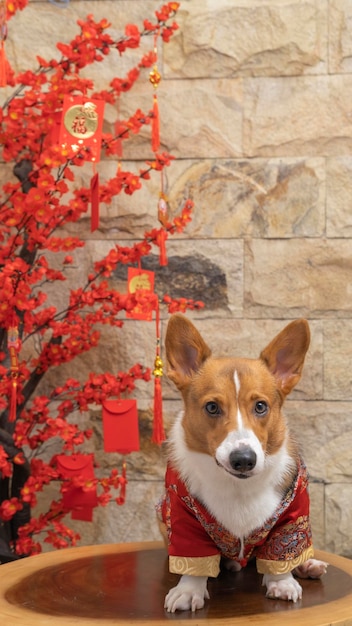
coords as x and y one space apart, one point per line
243 459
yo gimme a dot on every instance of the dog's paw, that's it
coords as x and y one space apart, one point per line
311 569
282 587
189 594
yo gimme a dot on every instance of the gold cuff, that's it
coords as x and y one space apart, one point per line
282 567
195 565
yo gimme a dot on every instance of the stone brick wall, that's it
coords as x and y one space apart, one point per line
255 105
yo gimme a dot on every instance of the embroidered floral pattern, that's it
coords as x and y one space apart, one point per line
285 536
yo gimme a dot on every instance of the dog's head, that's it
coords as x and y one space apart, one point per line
233 405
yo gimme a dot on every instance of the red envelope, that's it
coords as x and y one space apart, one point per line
140 279
82 124
120 425
78 468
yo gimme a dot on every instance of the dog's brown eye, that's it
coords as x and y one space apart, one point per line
261 408
213 409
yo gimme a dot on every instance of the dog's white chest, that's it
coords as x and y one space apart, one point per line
231 504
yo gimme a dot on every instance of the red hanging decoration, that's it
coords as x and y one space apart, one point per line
155 125
161 242
81 129
163 209
80 492
14 346
120 425
139 279
155 78
6 72
158 435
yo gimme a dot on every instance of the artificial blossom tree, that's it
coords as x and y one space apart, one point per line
40 199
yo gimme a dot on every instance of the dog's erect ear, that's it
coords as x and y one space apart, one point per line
185 350
284 356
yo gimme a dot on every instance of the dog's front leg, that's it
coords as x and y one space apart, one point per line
189 593
282 587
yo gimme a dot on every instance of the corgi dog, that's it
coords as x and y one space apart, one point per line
236 486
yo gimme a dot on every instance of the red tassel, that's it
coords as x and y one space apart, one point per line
161 241
6 72
158 435
13 401
94 189
155 125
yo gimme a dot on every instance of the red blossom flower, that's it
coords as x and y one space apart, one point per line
5 465
8 508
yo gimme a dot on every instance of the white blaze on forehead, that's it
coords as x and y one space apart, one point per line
238 438
237 382
238 387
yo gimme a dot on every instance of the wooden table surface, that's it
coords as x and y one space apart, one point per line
126 584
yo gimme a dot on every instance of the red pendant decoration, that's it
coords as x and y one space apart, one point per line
6 72
79 490
139 279
81 125
155 125
155 78
161 242
81 129
163 209
120 425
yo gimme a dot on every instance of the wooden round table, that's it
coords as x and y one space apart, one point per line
126 584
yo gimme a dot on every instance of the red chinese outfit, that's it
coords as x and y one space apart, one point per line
197 540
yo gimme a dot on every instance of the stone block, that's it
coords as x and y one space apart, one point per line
289 116
337 357
338 197
324 433
338 503
317 516
298 277
202 117
340 45
252 198
224 38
